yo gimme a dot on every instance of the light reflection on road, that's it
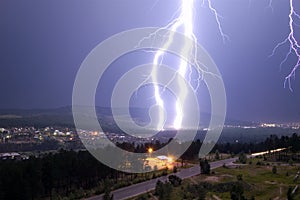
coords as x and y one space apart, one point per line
266 152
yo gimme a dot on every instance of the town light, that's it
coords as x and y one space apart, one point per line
150 150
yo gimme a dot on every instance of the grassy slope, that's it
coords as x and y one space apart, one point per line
264 184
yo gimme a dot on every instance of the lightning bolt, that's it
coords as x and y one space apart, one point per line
270 5
184 22
294 47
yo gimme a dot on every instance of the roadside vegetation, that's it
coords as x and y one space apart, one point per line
258 179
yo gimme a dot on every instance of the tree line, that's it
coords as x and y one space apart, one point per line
60 174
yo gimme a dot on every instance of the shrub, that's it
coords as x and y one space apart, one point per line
204 166
239 177
237 192
258 163
274 170
217 155
175 169
243 158
175 180
163 190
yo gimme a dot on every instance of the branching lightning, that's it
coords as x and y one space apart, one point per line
270 5
291 40
184 22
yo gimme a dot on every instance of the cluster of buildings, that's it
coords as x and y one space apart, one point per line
294 126
13 156
67 136
93 137
36 135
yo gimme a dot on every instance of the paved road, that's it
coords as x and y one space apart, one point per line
140 188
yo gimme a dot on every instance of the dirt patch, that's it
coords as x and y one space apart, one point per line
193 181
212 179
216 197
226 176
271 182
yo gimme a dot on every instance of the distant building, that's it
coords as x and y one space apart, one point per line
12 156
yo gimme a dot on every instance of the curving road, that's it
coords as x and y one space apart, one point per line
140 188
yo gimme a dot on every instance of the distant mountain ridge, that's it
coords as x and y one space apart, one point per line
63 117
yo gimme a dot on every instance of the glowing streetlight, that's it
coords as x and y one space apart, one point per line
150 150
